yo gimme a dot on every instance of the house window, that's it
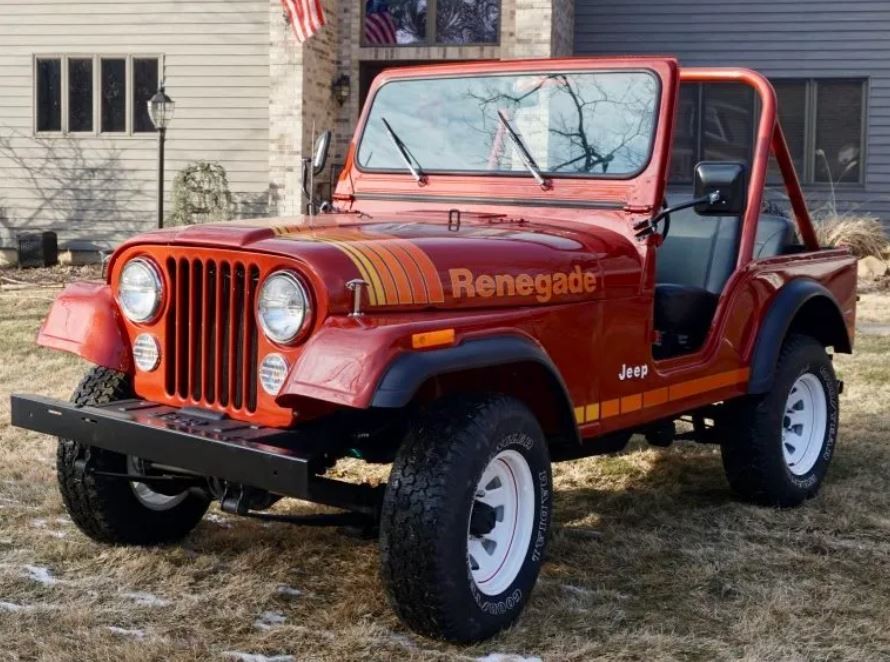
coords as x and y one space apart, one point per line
49 95
114 95
93 94
145 84
80 94
823 120
428 22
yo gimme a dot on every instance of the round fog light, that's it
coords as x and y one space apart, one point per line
146 352
273 370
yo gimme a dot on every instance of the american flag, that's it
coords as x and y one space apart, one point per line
380 28
306 17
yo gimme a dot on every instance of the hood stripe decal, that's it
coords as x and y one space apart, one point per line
397 271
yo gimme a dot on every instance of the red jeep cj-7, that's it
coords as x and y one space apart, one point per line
499 282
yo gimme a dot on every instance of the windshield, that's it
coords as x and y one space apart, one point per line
597 124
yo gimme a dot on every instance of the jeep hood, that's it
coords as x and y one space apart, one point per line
423 263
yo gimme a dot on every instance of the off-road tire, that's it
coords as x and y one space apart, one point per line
752 451
425 517
104 508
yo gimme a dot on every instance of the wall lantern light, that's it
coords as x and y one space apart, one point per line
340 88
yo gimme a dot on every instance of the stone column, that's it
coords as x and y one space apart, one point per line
299 97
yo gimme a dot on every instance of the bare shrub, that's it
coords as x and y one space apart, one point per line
863 234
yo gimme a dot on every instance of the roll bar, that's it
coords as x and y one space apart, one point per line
770 138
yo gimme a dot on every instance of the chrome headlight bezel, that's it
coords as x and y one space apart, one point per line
302 291
157 284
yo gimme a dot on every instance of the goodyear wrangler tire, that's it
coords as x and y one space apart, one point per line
466 518
112 510
780 444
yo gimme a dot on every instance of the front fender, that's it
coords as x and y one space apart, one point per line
85 320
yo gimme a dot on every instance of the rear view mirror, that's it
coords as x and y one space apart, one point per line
723 187
320 152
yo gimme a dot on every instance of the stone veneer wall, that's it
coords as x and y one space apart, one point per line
300 99
302 75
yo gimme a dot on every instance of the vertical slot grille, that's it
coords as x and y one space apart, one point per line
211 352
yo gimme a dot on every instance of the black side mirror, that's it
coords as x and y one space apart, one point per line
723 186
320 152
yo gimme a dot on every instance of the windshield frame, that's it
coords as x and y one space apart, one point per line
518 174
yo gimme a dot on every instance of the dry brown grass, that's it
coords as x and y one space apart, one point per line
863 235
651 558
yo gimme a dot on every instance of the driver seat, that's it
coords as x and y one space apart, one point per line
692 267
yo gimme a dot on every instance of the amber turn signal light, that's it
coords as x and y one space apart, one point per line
429 339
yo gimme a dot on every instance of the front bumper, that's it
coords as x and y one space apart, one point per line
284 462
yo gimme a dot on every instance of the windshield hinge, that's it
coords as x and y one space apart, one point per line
638 209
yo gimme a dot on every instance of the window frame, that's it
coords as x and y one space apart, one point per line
430 40
96 59
521 174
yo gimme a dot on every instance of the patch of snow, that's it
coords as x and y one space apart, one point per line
147 599
124 632
403 641
257 657
219 520
269 619
43 525
507 657
11 606
288 591
40 575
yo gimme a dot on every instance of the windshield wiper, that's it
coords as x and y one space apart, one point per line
407 156
524 155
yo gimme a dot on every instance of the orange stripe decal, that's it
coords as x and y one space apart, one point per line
412 271
655 397
398 271
610 408
403 287
391 294
627 404
631 403
429 271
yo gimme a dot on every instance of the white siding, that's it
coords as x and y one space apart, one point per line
96 190
781 38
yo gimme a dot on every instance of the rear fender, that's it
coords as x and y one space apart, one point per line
801 306
85 320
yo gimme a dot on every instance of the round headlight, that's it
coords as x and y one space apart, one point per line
146 352
273 370
139 290
282 307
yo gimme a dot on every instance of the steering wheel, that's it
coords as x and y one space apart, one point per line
666 220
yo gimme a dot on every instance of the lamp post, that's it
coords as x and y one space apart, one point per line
160 110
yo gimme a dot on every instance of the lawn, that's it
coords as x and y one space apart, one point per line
651 557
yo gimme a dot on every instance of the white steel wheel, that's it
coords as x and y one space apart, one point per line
147 496
803 424
501 522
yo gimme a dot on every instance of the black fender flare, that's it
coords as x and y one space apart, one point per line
777 321
408 371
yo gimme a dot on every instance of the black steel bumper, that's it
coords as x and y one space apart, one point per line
284 462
